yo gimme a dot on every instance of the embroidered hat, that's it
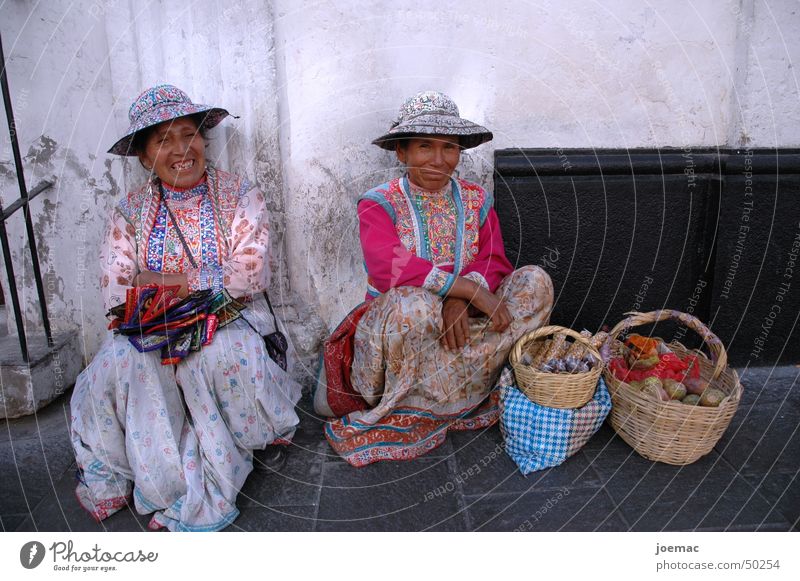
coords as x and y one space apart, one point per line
163 103
433 113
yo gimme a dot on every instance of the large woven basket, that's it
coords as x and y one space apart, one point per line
673 432
555 390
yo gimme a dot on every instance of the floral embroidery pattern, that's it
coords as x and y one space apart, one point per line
194 212
224 220
428 223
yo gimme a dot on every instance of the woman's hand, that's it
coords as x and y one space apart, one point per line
146 277
455 319
483 300
494 308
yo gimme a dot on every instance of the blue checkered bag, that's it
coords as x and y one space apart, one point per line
539 437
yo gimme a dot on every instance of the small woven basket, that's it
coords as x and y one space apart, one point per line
673 432
555 390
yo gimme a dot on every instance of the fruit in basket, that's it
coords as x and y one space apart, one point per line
643 363
652 387
637 385
674 389
654 381
712 397
644 346
695 385
691 399
655 392
642 352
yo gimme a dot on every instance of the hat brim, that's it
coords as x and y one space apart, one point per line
213 117
469 134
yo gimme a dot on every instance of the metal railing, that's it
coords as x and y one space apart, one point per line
22 203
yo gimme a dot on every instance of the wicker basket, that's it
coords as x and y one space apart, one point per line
673 432
555 390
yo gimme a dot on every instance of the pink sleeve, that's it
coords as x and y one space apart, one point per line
246 269
490 266
389 263
118 260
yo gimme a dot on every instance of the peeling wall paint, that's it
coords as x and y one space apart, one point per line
59 82
314 83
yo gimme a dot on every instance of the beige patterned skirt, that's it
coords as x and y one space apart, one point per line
413 387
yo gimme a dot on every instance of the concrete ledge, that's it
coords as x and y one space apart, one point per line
27 387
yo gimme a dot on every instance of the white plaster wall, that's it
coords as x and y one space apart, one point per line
60 84
315 81
766 112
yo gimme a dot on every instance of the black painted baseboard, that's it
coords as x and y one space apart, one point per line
715 232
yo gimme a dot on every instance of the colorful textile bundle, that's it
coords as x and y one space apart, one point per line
154 317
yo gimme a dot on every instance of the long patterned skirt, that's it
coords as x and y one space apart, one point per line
180 438
411 390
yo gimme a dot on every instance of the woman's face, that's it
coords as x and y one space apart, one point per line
175 151
430 160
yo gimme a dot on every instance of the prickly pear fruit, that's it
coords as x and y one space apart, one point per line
691 399
711 398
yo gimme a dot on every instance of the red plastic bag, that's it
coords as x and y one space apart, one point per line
669 366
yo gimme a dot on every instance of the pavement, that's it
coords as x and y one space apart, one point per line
749 482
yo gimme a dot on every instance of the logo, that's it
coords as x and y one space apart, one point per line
31 554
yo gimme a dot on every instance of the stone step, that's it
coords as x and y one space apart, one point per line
27 387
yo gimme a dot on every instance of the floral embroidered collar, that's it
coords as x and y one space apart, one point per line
173 193
418 191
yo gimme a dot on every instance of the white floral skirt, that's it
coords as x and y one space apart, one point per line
179 438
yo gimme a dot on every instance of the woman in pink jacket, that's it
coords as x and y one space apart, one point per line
443 308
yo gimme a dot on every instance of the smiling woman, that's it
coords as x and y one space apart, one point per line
180 439
175 151
443 305
430 160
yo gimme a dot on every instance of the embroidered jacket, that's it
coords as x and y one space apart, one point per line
223 219
411 237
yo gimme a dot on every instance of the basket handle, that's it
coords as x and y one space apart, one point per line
516 352
718 354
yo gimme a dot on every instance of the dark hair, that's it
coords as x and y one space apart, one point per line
140 138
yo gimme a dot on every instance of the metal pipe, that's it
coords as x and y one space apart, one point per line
12 290
40 187
23 191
